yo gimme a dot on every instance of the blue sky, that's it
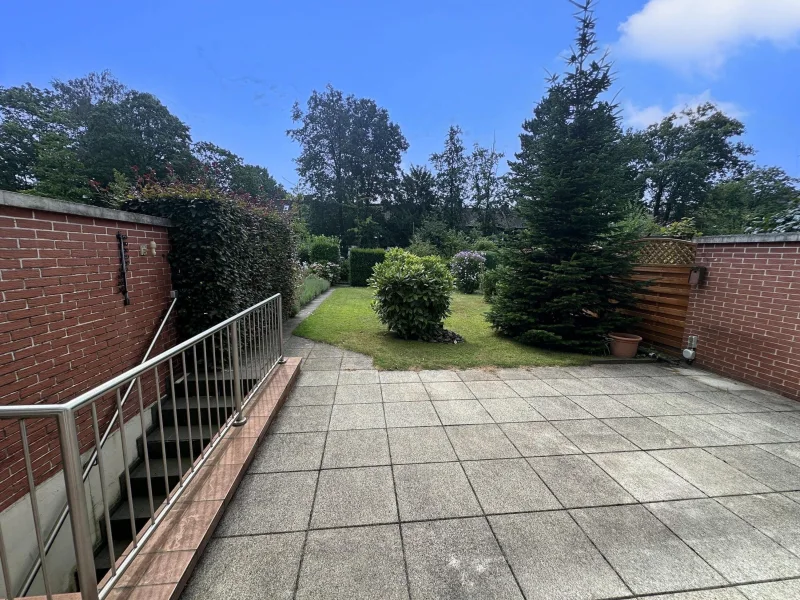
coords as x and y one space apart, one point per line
231 70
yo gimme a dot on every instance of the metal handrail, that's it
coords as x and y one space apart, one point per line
62 517
263 350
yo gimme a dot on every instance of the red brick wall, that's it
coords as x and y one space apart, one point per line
747 313
64 328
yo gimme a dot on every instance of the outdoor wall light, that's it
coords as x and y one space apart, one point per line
153 247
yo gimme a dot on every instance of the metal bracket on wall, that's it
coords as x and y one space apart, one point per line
123 269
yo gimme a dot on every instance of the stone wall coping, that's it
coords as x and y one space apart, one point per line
748 238
75 208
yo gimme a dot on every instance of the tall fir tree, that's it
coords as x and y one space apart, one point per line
566 275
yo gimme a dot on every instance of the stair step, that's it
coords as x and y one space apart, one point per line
220 408
139 475
120 518
102 561
199 439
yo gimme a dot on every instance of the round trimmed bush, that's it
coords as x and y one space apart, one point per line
412 294
467 267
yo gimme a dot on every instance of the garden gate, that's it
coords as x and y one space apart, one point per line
663 305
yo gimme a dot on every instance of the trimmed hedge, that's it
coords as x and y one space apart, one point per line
324 249
492 259
225 255
362 260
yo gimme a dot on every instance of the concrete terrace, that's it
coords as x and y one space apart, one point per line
542 483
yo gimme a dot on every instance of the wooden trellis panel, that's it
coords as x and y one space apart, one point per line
663 305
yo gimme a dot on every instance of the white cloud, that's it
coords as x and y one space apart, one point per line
694 35
640 117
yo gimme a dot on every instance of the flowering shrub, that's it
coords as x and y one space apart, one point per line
467 267
330 271
412 294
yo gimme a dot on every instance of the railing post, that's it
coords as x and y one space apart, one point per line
76 500
281 358
237 379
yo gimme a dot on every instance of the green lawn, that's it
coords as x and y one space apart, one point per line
346 320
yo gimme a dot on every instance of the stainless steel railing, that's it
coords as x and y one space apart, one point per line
241 351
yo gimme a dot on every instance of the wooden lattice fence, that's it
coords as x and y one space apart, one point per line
666 263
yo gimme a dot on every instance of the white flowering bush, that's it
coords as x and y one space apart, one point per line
330 271
467 267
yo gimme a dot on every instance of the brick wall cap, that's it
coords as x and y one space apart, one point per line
750 238
75 208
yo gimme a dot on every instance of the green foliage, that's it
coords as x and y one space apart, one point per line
311 287
415 199
225 255
786 221
412 294
566 276
439 235
349 158
323 248
484 244
684 229
467 267
330 271
452 177
423 248
492 259
488 190
362 260
344 270
637 222
679 159
489 284
366 232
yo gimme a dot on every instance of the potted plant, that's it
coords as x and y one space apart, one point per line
624 345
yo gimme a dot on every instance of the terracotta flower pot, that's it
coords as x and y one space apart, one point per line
624 345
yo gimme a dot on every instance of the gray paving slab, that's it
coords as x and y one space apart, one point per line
603 407
510 485
697 430
357 364
322 364
462 412
480 442
647 434
593 436
707 473
410 414
530 388
312 396
477 375
438 376
648 405
728 593
538 439
358 394
314 378
456 558
449 390
790 451
510 410
362 496
558 408
269 503
774 515
686 384
644 477
434 491
543 373
360 377
747 429
769 400
490 389
767 468
553 559
358 563
516 374
325 351
247 568
784 422
574 387
420 445
692 405
647 555
404 392
356 448
298 419
774 590
399 377
733 547
289 452
615 385
357 416
577 482
730 402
